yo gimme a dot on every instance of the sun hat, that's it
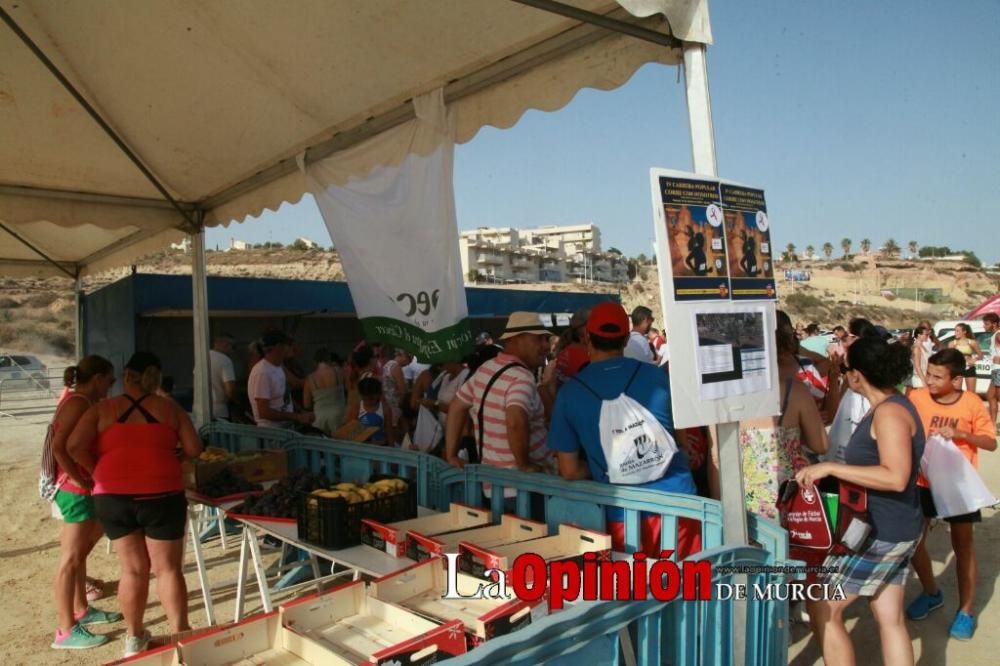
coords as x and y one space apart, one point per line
525 322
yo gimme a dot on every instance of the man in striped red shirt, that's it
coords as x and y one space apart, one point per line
513 414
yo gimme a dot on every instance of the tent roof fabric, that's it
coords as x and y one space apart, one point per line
220 99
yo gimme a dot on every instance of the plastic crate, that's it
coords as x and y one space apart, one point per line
334 523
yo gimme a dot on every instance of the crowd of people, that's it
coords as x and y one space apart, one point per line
857 404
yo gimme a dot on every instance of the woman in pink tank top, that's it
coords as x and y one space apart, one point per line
128 444
66 486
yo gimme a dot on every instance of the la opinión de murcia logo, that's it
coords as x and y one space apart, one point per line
594 577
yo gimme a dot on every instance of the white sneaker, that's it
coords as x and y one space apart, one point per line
136 644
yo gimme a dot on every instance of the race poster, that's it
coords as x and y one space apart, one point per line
748 238
695 238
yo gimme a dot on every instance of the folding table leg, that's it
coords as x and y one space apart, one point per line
258 566
199 560
241 576
220 517
315 571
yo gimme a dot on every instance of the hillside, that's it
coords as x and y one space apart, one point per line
36 314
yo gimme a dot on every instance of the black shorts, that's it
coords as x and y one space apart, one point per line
930 511
970 371
160 517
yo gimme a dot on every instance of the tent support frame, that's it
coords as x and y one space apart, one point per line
602 21
82 101
28 244
199 303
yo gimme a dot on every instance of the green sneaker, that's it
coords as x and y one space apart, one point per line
136 644
78 638
97 616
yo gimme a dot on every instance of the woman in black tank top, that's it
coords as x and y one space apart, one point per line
883 457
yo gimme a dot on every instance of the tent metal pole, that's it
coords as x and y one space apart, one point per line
88 197
18 237
734 512
80 323
199 315
82 101
614 25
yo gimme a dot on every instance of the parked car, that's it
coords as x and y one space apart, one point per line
22 371
983 366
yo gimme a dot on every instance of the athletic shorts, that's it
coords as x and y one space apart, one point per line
74 508
930 511
970 372
160 517
881 563
688 536
995 377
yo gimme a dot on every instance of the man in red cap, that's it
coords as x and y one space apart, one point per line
583 418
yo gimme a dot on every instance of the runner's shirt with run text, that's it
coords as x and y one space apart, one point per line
966 414
515 387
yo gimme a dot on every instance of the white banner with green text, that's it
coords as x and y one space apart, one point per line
397 235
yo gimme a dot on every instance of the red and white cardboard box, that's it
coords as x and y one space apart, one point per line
165 655
392 537
511 529
571 541
259 639
421 589
347 627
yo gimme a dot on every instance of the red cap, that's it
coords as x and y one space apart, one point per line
608 320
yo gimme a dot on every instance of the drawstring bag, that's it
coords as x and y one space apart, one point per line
636 446
47 481
813 533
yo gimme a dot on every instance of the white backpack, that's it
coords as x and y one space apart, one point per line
637 448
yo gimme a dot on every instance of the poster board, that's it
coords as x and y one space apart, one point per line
723 363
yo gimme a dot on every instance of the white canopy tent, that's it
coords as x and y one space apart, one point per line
125 126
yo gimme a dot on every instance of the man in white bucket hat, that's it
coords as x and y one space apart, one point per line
502 398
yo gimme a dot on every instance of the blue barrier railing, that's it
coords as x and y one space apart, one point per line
235 437
680 632
587 632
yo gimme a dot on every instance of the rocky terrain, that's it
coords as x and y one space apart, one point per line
36 315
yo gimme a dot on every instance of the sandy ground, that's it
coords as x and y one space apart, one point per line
30 546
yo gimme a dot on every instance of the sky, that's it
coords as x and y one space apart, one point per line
859 119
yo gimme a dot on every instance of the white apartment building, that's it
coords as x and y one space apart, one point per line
543 254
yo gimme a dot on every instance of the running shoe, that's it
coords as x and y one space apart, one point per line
922 606
136 644
962 627
97 616
78 638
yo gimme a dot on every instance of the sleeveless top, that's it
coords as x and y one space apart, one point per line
771 456
965 347
328 406
895 516
52 478
137 458
994 351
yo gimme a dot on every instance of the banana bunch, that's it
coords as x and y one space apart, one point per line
213 454
354 493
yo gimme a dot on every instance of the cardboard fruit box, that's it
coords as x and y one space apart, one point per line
257 640
392 537
571 541
164 655
346 627
254 466
421 589
511 529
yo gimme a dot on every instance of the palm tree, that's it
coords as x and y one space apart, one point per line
810 251
845 245
891 248
827 250
913 248
790 252
866 245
